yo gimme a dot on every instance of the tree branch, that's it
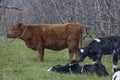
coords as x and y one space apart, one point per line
6 7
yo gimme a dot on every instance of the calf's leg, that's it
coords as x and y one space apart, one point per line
41 54
71 48
115 61
77 56
99 56
71 54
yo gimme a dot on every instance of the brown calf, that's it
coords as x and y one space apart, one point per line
50 36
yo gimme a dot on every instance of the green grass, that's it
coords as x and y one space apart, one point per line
17 62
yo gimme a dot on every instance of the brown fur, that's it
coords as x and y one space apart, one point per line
50 36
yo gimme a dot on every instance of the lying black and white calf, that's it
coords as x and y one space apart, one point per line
97 68
109 45
116 75
74 67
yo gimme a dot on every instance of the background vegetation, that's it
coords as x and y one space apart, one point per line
99 17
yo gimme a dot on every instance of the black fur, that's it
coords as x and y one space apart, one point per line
97 68
109 45
74 67
116 69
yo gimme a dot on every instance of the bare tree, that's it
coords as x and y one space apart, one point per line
9 14
99 17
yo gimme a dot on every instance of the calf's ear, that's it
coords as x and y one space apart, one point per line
20 26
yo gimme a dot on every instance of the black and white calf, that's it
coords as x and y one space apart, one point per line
74 67
109 45
116 75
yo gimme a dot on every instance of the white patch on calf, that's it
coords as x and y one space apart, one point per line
82 68
98 40
116 76
49 69
94 62
82 50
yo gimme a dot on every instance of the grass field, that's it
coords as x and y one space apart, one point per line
17 62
